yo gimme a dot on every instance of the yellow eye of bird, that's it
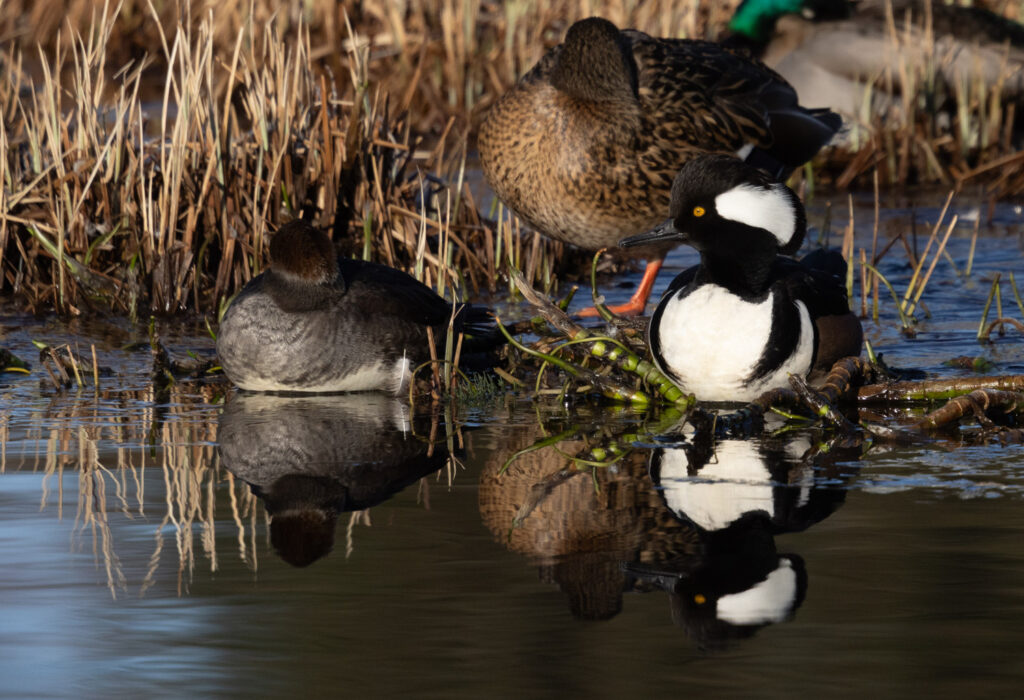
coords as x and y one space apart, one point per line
698 211
699 599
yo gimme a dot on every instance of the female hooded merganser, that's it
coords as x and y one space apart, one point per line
745 318
315 322
584 147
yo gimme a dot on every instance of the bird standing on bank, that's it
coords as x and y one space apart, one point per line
586 145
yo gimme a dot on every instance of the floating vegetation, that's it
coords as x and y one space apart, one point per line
9 362
611 367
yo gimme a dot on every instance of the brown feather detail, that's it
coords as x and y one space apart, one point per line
591 172
299 250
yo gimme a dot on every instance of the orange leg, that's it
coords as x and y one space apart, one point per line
638 302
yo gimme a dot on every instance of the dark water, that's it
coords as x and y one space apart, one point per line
138 558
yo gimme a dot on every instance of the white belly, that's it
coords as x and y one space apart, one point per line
770 600
711 340
378 376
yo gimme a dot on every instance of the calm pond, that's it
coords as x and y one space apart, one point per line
139 558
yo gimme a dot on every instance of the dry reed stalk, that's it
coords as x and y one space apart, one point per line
181 220
110 202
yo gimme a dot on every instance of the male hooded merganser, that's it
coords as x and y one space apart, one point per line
584 147
316 322
745 318
740 495
830 49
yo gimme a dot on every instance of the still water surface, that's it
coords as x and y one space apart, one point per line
139 557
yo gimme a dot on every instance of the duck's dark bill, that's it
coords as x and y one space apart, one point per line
666 230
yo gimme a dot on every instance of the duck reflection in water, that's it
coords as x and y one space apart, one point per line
740 494
311 458
578 524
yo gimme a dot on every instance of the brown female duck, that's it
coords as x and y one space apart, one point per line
586 145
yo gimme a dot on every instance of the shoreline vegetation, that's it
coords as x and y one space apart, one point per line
150 148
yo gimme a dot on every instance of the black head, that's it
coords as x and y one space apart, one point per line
596 63
303 253
725 208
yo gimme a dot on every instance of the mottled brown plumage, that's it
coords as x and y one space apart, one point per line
586 145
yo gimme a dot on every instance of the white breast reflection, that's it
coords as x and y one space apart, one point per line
737 480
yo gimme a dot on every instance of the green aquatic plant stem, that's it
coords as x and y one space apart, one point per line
988 305
1016 295
620 355
615 447
904 319
608 388
539 445
602 310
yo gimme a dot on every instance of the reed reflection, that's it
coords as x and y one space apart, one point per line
738 495
311 458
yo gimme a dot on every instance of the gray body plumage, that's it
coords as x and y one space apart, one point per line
363 329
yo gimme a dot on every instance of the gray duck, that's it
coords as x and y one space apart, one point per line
317 322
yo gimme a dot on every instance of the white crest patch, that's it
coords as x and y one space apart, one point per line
770 209
734 483
769 601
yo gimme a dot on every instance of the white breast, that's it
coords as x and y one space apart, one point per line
711 339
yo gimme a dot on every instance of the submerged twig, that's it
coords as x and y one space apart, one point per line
1000 323
978 403
934 389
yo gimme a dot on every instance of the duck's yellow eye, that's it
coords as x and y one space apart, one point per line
699 599
698 211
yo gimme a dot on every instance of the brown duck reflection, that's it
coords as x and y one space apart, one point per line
740 494
578 525
310 458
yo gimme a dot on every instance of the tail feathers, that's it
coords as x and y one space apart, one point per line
797 135
829 261
479 329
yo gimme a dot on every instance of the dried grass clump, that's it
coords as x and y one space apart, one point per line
441 56
923 120
163 207
147 150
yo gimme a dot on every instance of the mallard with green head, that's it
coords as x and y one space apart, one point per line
830 50
586 145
